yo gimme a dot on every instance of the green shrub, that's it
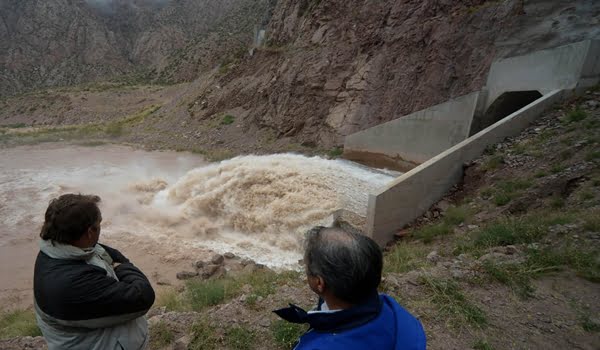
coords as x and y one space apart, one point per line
336 152
228 119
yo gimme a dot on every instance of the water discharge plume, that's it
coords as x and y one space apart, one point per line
254 206
275 197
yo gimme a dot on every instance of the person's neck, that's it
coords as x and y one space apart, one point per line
81 244
334 303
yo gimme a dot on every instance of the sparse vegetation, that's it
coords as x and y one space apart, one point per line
482 345
286 334
336 152
240 338
203 336
453 217
18 323
452 303
228 119
575 115
493 162
161 335
404 257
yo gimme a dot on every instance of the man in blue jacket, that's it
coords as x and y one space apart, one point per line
344 270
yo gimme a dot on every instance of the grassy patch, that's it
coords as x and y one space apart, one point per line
77 132
512 275
505 191
240 338
457 215
452 303
591 221
286 334
202 294
509 231
493 162
171 300
18 323
452 217
575 115
429 232
404 257
482 345
161 335
15 126
227 119
519 275
204 337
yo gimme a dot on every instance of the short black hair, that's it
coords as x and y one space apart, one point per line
69 216
350 263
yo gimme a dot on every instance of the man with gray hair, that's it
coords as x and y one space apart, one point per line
344 270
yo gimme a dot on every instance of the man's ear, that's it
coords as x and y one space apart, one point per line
320 285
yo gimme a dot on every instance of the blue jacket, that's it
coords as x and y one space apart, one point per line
379 323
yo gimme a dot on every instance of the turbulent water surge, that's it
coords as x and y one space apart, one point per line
254 206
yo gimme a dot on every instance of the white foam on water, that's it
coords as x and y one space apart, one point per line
254 206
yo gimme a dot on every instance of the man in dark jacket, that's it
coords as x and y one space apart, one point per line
344 270
87 295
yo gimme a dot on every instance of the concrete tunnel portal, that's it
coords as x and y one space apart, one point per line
505 105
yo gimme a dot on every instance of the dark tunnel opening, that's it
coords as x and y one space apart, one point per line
503 106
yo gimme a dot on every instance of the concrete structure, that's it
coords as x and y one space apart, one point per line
518 90
413 193
564 67
415 138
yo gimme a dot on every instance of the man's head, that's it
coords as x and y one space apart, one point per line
73 219
342 264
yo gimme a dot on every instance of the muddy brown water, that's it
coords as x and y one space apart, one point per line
165 210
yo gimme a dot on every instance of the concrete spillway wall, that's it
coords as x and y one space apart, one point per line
435 142
415 138
411 194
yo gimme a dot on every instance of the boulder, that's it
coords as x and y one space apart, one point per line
186 275
217 259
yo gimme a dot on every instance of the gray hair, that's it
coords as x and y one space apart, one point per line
350 263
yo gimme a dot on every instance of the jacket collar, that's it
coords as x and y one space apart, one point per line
334 321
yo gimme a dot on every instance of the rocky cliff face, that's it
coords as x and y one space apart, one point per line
334 67
66 42
328 68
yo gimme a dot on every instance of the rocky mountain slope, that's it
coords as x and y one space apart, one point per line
64 42
331 68
328 68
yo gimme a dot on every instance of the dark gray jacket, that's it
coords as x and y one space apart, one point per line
81 302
